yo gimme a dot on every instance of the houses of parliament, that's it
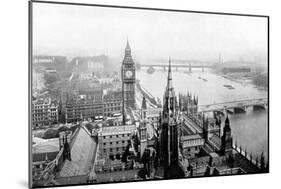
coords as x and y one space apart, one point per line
185 142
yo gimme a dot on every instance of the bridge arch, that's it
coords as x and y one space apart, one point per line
230 110
238 110
220 112
237 106
259 107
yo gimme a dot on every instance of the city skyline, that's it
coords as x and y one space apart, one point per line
202 36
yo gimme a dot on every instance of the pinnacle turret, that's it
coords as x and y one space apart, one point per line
128 49
169 87
169 96
128 45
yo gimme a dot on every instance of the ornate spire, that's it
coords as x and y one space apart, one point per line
128 45
128 54
169 88
127 49
143 109
169 96
169 83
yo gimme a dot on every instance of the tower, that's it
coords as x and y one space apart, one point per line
169 128
128 73
218 123
226 147
206 131
143 129
66 150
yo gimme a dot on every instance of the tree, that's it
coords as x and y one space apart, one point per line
50 133
90 127
62 128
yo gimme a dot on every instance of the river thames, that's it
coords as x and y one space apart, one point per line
249 129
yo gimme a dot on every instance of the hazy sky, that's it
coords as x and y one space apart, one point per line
80 30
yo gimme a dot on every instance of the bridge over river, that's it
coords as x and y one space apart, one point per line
235 106
177 66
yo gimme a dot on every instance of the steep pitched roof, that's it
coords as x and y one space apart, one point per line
83 151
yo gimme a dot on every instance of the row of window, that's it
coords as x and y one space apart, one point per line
40 111
93 105
83 108
195 148
42 107
112 109
121 149
117 142
44 119
113 104
45 110
44 115
84 111
116 136
129 96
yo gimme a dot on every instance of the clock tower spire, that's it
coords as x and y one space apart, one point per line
128 73
128 49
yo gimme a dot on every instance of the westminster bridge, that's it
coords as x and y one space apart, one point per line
237 106
189 66
178 63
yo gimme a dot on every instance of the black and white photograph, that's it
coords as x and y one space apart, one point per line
126 94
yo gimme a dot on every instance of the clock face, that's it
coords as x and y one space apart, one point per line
129 74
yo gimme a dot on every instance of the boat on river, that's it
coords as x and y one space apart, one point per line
150 70
229 87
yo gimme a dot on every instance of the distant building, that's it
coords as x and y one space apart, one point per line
88 76
50 71
112 101
89 64
82 107
90 103
39 59
236 70
57 63
44 112
188 104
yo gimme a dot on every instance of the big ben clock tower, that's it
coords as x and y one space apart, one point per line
128 73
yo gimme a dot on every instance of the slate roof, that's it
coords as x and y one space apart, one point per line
118 129
83 151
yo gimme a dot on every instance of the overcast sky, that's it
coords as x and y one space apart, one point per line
82 30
